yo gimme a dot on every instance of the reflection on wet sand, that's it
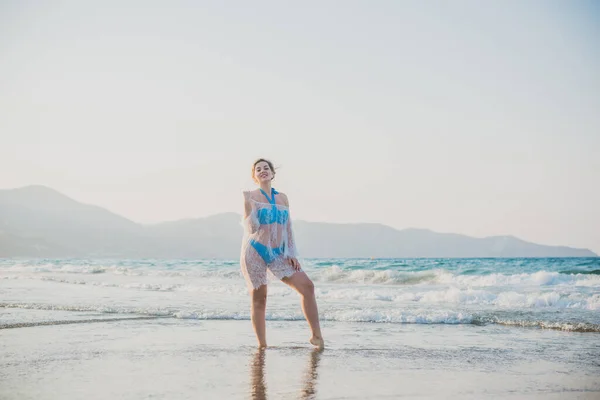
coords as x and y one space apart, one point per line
258 379
257 375
309 380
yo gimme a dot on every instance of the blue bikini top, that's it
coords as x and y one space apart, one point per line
271 215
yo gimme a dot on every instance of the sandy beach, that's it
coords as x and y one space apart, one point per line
165 358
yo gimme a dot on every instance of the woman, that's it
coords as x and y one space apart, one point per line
269 244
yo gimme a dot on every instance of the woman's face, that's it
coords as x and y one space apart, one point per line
262 172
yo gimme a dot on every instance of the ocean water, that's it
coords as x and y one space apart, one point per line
395 328
542 293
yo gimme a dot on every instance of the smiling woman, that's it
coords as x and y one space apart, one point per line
269 245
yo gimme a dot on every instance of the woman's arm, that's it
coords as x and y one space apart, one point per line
291 242
247 206
250 222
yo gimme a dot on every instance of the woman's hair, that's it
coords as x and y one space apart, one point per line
263 160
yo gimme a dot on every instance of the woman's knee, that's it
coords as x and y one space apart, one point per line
259 297
307 288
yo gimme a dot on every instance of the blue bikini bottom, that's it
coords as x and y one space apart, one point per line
269 255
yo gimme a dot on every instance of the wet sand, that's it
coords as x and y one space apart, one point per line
167 358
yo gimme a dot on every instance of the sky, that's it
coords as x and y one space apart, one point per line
480 118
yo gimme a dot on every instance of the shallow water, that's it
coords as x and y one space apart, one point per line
208 359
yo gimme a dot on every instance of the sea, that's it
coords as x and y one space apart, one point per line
394 328
544 293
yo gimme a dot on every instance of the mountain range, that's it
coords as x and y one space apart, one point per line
37 221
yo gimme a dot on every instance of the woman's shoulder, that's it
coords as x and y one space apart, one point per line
253 196
284 198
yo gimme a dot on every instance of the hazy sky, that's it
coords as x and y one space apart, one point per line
472 117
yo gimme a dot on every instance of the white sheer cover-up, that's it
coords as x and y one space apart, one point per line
268 242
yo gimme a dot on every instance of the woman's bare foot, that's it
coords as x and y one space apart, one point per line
318 342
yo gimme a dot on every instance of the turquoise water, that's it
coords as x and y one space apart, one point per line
473 266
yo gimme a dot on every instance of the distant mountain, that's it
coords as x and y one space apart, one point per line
37 221
40 214
217 236
14 246
375 240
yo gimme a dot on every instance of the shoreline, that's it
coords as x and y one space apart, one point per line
100 316
178 358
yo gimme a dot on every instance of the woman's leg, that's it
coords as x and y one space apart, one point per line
259 306
255 272
304 286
